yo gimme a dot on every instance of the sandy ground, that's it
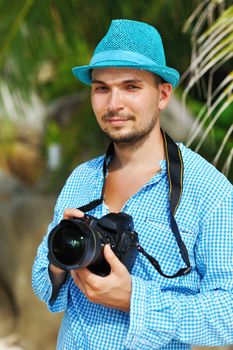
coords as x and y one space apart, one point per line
10 343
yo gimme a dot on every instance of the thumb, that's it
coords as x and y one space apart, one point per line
70 213
111 258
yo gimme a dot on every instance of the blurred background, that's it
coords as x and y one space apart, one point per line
47 126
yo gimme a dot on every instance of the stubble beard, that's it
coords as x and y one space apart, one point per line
134 137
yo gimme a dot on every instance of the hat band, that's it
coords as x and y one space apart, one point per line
121 55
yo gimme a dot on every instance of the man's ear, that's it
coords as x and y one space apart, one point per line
165 94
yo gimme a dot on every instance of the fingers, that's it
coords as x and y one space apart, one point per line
69 213
78 281
112 259
113 290
89 283
56 270
84 276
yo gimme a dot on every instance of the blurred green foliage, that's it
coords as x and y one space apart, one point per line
43 40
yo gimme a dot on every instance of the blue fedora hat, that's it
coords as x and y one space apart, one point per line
129 44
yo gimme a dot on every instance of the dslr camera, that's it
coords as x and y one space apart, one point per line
77 243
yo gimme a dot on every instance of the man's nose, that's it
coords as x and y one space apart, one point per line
115 102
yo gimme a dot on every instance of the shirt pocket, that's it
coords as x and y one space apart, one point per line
159 241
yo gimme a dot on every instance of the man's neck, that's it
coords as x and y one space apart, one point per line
146 153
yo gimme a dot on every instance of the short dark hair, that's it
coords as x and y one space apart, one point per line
158 79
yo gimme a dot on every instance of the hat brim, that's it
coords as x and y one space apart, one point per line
170 75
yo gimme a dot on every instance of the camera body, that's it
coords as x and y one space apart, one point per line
77 243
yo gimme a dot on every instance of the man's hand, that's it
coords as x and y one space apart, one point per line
71 213
113 290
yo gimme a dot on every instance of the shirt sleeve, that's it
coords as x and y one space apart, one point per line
205 318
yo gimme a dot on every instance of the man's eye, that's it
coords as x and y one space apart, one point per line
133 87
101 88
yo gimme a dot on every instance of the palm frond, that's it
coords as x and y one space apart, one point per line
212 49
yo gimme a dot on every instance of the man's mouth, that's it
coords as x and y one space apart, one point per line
117 118
117 122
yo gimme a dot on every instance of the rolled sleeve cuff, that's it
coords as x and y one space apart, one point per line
58 293
137 311
153 316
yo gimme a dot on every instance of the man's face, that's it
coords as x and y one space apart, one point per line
126 103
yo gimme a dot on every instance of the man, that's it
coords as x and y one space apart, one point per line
143 308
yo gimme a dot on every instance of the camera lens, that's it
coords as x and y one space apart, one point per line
75 244
69 245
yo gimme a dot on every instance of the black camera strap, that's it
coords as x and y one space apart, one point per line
175 169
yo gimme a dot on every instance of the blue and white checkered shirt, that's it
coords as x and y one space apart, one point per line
168 313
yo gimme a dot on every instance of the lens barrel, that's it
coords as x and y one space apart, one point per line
73 245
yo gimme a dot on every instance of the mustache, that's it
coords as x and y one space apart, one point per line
117 115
